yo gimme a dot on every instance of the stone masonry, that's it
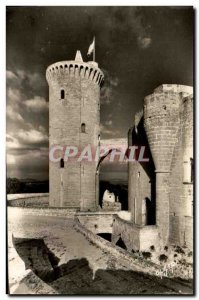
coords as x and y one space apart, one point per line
166 129
74 120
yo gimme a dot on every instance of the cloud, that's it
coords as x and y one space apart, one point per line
107 91
10 75
31 137
13 115
12 142
37 104
14 95
144 42
10 159
107 132
109 123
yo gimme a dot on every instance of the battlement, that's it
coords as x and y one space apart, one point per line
76 69
174 88
166 100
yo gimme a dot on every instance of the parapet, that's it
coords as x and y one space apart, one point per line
166 97
75 68
174 88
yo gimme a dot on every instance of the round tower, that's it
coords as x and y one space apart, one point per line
161 122
74 120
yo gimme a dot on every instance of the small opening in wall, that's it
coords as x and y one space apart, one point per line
83 127
62 94
61 163
192 169
90 72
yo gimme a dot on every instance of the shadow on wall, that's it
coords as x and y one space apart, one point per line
139 138
76 277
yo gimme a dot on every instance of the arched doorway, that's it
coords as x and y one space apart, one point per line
117 179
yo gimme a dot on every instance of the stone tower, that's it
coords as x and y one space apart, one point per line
74 120
162 119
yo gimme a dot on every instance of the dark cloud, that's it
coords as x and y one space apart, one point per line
138 48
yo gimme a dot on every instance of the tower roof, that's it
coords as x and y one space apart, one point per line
78 57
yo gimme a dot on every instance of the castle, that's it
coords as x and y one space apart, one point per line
160 192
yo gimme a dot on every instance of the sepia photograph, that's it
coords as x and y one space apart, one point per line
100 150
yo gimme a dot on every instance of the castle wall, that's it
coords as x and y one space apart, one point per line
141 196
139 189
181 187
100 222
135 237
79 107
168 124
162 123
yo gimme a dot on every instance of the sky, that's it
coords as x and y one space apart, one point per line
137 48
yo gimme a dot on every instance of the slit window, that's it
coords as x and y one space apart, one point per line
83 127
61 163
62 94
192 169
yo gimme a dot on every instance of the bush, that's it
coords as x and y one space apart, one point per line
178 249
183 262
190 254
166 248
163 258
146 255
13 186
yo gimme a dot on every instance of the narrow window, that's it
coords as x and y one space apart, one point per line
192 169
83 127
62 94
61 163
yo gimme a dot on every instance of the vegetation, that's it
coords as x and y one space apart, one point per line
163 258
16 186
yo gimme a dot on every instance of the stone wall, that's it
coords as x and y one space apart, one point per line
123 257
168 123
98 222
139 189
28 200
134 237
181 187
81 85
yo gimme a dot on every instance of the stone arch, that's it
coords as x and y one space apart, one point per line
117 190
104 156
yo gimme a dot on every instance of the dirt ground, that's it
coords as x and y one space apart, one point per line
53 258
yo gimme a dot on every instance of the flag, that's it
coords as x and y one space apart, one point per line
91 47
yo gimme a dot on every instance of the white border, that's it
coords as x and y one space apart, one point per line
3 5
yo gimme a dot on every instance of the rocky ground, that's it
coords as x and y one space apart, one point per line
53 258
